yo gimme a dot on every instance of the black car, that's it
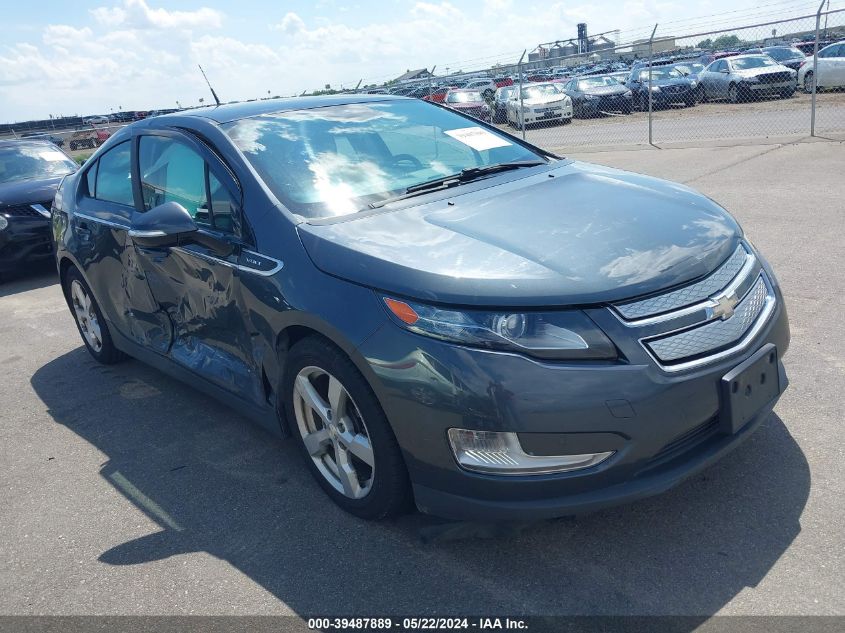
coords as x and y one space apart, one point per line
30 171
500 103
439 313
593 95
668 85
788 56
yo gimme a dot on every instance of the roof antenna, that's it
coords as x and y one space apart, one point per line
213 94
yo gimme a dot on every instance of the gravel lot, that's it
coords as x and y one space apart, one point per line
124 492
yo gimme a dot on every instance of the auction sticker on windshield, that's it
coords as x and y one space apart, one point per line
478 138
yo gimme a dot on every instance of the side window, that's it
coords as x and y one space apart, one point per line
173 172
113 177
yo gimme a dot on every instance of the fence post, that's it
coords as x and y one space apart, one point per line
430 75
815 71
521 113
650 56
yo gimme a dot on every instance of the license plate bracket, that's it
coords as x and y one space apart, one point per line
749 387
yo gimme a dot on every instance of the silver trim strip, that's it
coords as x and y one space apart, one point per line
744 272
279 264
263 273
150 233
40 209
762 319
114 225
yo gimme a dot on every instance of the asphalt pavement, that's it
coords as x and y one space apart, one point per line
125 492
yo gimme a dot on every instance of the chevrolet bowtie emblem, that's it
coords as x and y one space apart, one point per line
723 306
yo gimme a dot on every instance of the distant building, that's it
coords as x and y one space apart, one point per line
413 75
662 44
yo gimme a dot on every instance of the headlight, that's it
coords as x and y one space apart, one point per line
752 80
3 223
692 84
590 97
655 88
563 334
627 93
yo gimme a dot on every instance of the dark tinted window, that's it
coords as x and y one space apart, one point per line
173 172
114 177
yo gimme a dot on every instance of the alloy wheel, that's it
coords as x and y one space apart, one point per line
86 316
334 432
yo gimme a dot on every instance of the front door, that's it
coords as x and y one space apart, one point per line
196 283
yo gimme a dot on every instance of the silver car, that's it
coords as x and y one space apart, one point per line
747 78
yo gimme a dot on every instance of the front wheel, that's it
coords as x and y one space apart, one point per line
733 93
89 319
344 435
787 94
808 83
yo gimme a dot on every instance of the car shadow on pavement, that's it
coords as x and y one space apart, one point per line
37 275
215 483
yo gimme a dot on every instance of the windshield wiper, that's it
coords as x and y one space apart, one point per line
465 175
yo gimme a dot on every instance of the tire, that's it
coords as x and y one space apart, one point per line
808 83
701 94
689 102
89 319
787 94
627 109
370 491
73 146
733 93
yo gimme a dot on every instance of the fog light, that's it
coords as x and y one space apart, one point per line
501 454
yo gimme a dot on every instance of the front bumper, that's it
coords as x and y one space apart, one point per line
663 427
542 114
778 86
25 239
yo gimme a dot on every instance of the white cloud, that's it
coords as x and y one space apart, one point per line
138 14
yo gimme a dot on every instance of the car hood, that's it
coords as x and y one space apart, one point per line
673 81
603 91
589 234
765 70
28 191
546 99
469 105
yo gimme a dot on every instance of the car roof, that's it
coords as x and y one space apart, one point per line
25 141
234 111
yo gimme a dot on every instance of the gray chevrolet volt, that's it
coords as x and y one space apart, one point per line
438 313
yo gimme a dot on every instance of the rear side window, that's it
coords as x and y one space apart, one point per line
171 171
113 176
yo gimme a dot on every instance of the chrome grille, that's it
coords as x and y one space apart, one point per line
713 335
687 295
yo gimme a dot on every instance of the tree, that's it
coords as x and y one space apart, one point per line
708 43
727 41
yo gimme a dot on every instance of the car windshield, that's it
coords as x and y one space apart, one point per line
783 53
540 91
464 97
660 73
503 94
335 160
745 63
690 69
596 82
31 161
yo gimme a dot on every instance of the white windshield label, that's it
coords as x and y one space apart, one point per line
478 138
52 156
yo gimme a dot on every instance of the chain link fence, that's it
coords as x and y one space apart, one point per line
777 79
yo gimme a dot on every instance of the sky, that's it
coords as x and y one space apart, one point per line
99 56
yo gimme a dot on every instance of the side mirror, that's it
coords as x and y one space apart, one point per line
162 225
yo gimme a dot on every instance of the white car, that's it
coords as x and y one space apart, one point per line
831 68
541 102
95 120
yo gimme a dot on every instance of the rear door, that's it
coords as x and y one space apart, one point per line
196 284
